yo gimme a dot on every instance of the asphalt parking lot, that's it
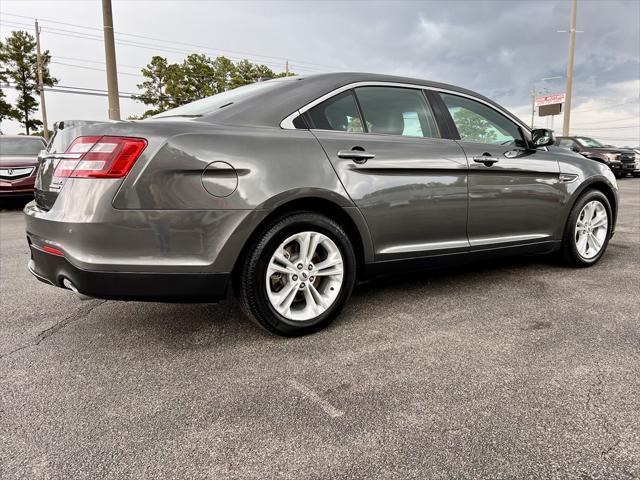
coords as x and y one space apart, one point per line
515 369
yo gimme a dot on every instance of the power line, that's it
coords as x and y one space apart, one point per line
147 46
606 107
95 69
600 122
155 39
80 91
609 128
87 60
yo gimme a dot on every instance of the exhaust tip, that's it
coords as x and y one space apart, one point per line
68 284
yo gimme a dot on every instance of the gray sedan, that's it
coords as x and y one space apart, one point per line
289 191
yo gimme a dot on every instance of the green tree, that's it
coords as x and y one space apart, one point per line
6 110
198 76
159 88
247 72
19 62
224 70
474 128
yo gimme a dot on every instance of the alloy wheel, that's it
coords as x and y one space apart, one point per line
304 276
591 229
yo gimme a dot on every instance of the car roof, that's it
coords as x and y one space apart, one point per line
292 93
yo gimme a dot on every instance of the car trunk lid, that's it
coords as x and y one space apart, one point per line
47 185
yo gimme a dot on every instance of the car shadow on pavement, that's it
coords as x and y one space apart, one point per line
192 327
459 274
13 204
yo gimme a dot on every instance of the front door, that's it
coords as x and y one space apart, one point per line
410 185
514 193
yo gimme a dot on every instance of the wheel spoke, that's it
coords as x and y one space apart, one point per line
285 297
284 261
303 241
329 267
595 243
310 300
313 245
581 244
317 296
275 267
600 220
588 211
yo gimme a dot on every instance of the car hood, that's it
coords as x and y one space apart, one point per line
18 160
608 150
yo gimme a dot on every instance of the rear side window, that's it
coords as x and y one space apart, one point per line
396 111
337 113
479 123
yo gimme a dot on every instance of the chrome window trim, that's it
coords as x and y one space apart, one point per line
287 123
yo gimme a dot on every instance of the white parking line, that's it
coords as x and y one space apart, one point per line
329 409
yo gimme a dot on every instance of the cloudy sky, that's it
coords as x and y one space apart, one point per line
498 48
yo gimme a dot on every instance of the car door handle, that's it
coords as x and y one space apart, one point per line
487 159
358 156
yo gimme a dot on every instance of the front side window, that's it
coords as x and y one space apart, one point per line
479 123
396 111
337 113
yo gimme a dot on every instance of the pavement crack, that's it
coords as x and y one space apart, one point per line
594 392
56 327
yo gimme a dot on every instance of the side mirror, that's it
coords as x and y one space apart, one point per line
575 149
542 137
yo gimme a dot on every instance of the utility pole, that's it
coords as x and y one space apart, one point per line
43 107
286 67
110 59
533 105
569 89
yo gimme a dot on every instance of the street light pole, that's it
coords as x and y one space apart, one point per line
43 107
569 89
110 59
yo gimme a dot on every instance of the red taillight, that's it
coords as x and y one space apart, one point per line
101 157
53 251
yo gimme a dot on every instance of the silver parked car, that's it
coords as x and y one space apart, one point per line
291 190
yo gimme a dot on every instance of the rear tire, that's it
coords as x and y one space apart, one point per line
298 274
588 230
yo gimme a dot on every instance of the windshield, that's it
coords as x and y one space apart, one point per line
20 146
589 142
214 102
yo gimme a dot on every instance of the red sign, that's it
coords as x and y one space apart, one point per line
550 99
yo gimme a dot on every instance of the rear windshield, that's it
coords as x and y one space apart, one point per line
211 104
20 146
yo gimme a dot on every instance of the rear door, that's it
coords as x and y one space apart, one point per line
410 184
514 192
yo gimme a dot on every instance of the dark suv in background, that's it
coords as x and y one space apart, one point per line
622 161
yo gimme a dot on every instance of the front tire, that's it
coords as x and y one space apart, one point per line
588 230
298 274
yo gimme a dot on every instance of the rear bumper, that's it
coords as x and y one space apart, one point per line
150 286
